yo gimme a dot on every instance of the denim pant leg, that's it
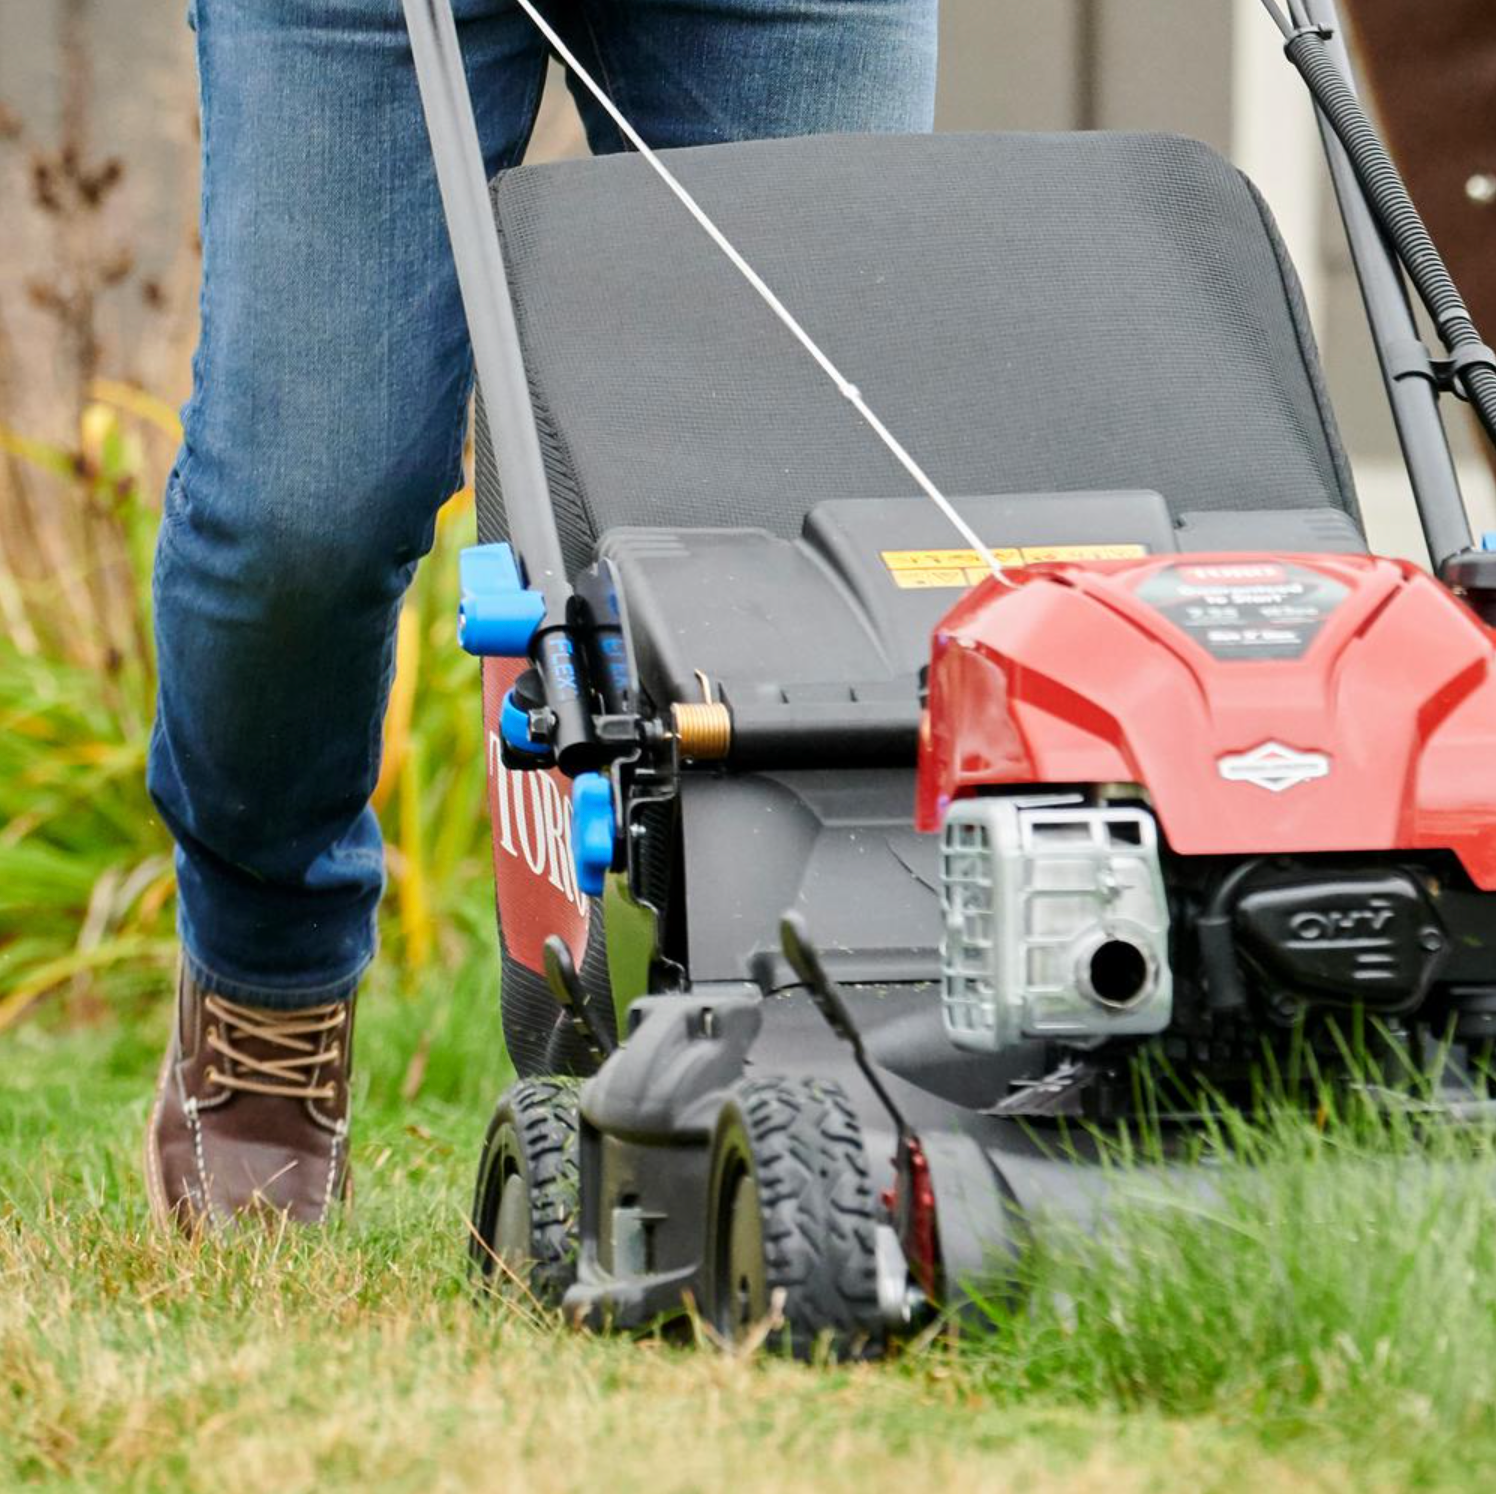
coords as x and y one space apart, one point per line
324 430
329 390
717 70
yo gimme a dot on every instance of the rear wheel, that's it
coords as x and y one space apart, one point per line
525 1205
794 1222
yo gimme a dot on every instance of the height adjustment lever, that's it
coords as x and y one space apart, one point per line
805 960
566 986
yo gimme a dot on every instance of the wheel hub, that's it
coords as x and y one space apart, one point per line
512 1235
746 1278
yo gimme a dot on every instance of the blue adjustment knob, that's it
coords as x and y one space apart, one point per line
497 616
593 830
1488 540
514 727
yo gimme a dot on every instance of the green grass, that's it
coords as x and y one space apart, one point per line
1327 1322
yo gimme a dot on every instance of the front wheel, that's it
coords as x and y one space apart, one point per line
524 1226
793 1223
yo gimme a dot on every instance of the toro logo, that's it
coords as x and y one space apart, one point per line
1233 575
532 823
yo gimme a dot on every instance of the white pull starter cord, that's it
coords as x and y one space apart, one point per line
844 385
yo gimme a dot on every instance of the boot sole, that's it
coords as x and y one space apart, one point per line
162 1214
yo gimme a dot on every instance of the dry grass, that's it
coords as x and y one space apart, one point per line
355 1359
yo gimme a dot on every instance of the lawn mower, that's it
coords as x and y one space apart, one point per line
933 826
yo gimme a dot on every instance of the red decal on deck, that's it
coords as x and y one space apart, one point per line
534 871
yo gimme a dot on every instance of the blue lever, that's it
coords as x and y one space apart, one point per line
1488 540
497 616
593 830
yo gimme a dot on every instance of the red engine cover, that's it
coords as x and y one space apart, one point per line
1267 703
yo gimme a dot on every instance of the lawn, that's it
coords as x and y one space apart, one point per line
1328 1322
1334 1329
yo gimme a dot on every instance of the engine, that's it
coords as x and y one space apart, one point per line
1071 922
1210 796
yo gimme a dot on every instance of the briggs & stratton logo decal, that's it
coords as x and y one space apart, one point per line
1274 767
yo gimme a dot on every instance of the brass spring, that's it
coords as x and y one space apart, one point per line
704 730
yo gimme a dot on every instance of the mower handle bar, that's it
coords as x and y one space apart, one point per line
498 359
1406 369
484 283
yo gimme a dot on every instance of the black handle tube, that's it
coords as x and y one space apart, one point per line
513 437
484 283
563 666
1388 194
1385 231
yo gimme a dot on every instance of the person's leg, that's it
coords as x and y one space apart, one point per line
696 72
325 428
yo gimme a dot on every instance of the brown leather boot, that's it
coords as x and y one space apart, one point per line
251 1113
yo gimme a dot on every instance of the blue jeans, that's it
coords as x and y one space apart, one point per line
330 391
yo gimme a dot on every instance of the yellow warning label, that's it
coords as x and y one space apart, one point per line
918 570
1040 554
945 560
927 579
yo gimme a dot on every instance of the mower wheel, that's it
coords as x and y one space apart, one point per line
793 1221
524 1226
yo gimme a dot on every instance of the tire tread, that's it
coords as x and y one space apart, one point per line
544 1116
819 1211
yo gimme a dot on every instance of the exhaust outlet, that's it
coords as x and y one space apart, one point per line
1056 923
1116 973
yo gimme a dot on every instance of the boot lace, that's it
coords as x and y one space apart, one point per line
301 1042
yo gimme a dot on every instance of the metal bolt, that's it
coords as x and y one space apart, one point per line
1431 940
1481 189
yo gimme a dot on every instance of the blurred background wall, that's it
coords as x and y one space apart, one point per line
107 287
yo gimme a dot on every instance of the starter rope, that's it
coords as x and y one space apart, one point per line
848 390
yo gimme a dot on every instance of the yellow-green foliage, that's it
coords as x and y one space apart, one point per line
86 890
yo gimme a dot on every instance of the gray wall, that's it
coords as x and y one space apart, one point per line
1087 64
